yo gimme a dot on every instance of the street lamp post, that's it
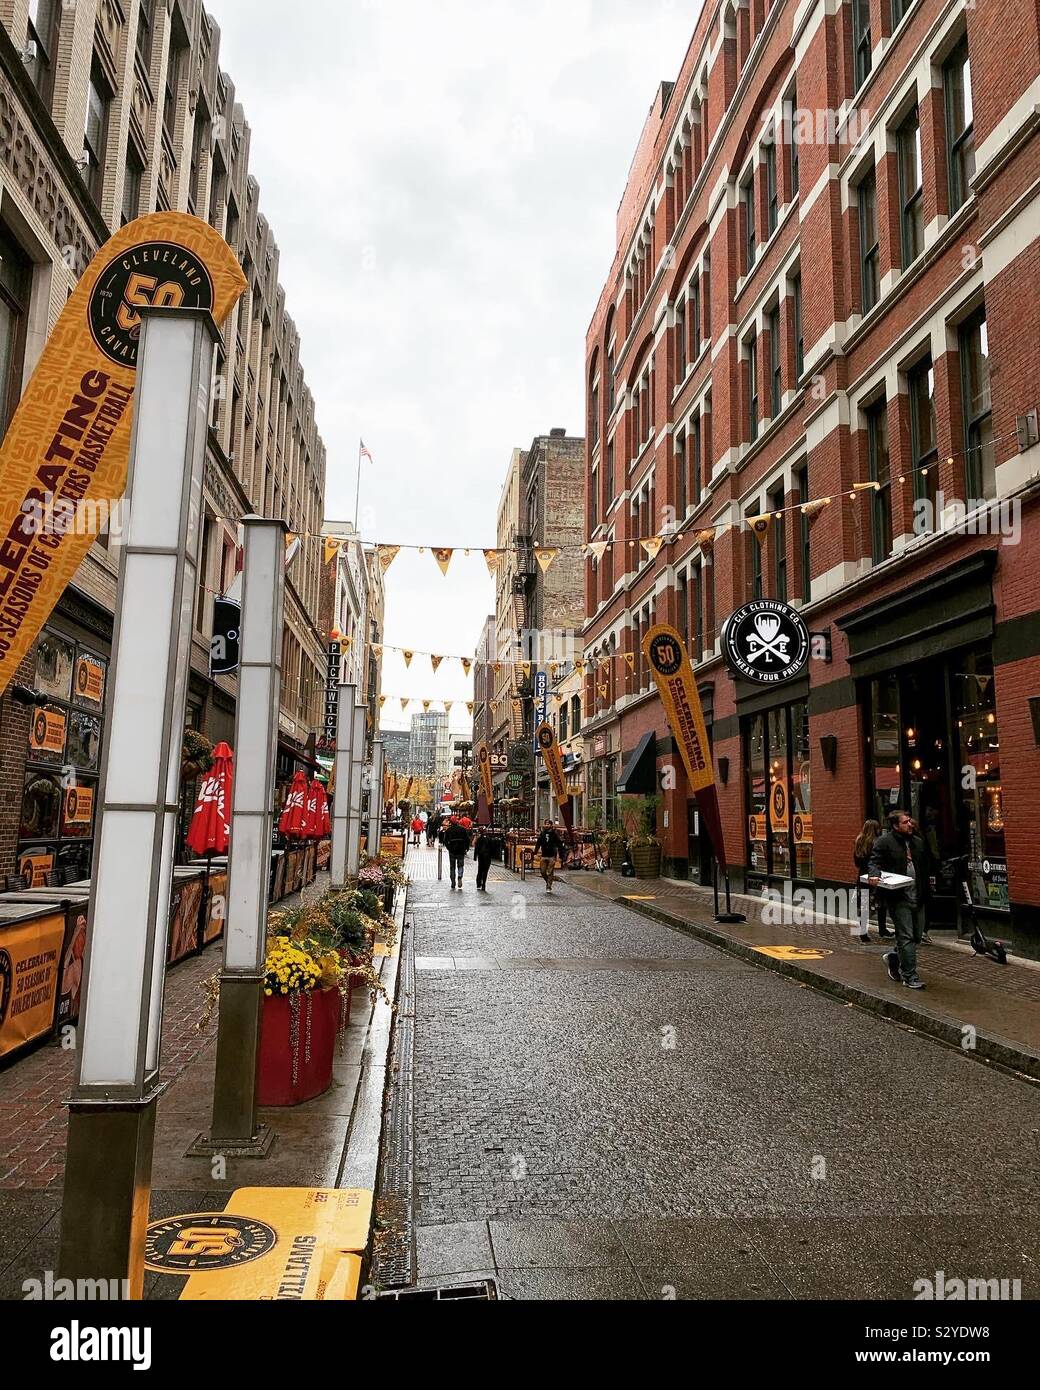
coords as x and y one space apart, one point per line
234 1129
358 715
112 1109
375 800
339 857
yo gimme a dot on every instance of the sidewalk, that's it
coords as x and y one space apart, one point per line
964 992
332 1141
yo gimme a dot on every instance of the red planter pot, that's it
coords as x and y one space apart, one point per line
296 1054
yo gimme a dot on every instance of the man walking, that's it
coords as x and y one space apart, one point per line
548 846
483 850
456 842
899 851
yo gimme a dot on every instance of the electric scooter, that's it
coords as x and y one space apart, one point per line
979 942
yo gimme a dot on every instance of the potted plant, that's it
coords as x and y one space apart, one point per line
196 755
643 845
300 1019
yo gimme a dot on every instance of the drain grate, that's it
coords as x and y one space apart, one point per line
393 1253
485 1290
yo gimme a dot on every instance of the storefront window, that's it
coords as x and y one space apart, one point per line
883 738
59 795
778 792
982 803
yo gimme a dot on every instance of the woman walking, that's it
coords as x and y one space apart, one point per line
861 858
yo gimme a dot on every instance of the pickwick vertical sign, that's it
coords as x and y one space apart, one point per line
64 459
666 654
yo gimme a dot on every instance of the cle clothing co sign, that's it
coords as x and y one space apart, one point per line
766 642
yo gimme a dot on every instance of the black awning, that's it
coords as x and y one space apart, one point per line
639 777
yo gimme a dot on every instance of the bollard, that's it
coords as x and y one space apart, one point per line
440 862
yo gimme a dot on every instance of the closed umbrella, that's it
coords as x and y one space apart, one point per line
322 822
293 820
313 820
210 828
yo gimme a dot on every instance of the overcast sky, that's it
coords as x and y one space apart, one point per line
442 181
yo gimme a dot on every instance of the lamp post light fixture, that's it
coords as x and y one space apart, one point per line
358 717
112 1109
375 799
338 859
234 1130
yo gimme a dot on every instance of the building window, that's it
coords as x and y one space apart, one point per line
752 560
593 499
683 609
752 388
775 383
695 460
144 31
981 476
960 127
698 613
695 318
131 186
899 9
775 503
173 72
776 754
868 241
750 243
911 188
923 445
41 39
805 555
95 131
799 351
861 39
15 278
772 207
564 735
792 139
680 342
681 464
881 497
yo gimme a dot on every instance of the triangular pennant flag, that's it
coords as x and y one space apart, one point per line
435 661
706 537
545 555
630 658
407 657
382 701
426 706
377 650
404 705
447 706
494 559
554 666
442 554
497 666
387 555
579 665
347 642
761 526
872 486
814 508
598 548
525 666
603 691
652 544
470 706
333 545
467 664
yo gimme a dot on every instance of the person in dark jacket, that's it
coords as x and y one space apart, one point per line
456 841
483 852
899 851
549 846
861 858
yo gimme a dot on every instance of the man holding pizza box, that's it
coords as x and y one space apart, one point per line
898 867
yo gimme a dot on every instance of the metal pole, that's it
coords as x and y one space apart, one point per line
375 800
357 764
234 1129
111 1130
339 857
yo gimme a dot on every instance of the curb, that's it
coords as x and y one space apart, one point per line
989 1048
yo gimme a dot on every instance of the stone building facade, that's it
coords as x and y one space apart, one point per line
819 317
110 109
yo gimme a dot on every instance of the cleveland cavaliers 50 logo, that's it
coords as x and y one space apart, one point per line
206 1240
156 273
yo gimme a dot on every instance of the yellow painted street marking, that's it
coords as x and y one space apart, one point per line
640 897
793 952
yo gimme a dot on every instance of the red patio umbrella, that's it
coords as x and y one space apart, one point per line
293 820
210 828
318 820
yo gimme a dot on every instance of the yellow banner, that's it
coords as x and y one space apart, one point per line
484 759
665 651
553 762
28 977
69 441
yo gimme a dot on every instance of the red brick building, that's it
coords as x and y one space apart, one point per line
825 288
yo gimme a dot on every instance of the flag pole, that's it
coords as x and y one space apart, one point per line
357 494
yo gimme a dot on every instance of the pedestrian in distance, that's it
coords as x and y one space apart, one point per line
548 846
417 829
861 858
456 842
894 853
483 851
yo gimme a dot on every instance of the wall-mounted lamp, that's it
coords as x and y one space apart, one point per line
724 771
829 750
23 695
1034 714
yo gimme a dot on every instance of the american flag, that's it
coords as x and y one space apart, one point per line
364 452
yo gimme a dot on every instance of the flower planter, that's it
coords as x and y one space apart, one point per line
297 1043
646 860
